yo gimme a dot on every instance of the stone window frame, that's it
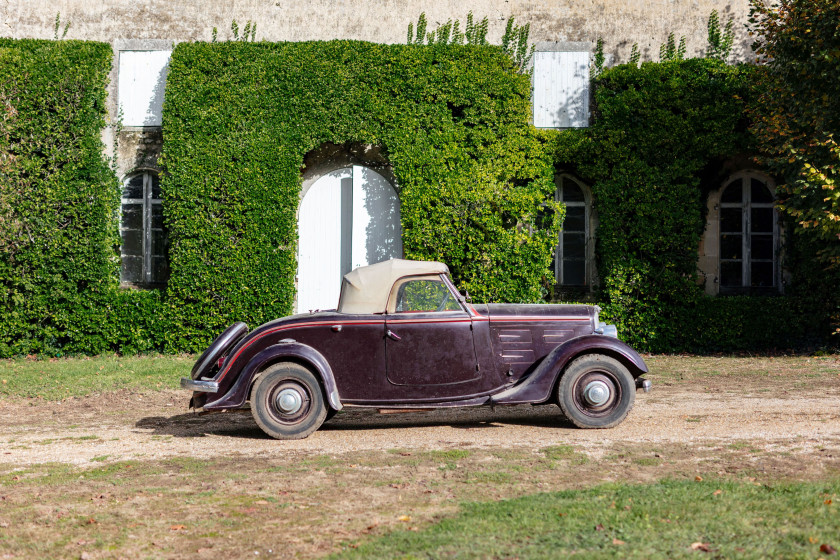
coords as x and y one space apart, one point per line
590 225
709 262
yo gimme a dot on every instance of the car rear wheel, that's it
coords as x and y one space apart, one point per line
596 391
287 401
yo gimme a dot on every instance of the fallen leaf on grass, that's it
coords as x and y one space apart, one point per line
399 486
177 527
717 492
700 546
698 478
827 549
599 527
828 502
406 454
618 542
404 518
812 540
92 521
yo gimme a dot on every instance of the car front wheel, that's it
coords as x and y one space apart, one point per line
287 401
596 391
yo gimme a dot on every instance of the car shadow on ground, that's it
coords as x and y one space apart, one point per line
240 424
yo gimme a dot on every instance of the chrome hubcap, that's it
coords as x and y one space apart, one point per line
596 393
288 401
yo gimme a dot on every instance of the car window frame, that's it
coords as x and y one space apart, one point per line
391 307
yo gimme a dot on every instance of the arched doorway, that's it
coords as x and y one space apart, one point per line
349 217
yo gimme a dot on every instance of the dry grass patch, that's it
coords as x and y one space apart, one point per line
309 505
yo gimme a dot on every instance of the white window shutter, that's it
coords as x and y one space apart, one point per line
142 80
561 86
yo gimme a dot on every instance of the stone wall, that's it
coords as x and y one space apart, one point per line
619 22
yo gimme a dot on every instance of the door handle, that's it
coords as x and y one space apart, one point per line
336 328
392 335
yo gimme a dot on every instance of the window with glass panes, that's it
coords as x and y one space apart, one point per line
748 235
143 247
570 259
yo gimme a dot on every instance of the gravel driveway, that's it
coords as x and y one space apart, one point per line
156 425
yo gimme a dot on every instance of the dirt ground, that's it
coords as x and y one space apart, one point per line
771 410
143 477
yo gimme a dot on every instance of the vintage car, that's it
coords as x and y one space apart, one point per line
403 337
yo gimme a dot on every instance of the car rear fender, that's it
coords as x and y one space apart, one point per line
538 386
284 351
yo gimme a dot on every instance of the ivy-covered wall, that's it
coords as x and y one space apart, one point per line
58 207
660 136
474 180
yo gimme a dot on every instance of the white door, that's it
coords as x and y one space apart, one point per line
348 218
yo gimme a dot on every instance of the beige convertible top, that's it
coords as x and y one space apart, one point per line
366 289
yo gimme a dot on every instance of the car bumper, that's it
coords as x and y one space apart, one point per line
199 386
643 384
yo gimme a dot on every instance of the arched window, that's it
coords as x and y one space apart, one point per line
573 258
143 247
749 235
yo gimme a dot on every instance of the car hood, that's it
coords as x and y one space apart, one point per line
535 311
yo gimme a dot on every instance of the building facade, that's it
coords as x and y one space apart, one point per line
741 246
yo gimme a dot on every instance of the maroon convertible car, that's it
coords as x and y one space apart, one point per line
403 337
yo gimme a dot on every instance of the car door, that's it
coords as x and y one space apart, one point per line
429 340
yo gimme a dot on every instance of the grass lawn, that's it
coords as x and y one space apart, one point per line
58 378
670 519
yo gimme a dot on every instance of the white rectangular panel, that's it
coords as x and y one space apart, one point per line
561 89
322 218
141 83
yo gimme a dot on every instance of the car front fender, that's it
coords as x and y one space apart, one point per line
283 351
537 387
